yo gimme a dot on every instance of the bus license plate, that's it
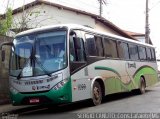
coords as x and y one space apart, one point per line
34 100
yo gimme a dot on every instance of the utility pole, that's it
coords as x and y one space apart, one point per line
147 30
101 2
100 8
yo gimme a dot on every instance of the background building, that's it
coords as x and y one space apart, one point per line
41 13
139 36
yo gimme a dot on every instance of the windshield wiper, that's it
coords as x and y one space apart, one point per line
33 60
42 67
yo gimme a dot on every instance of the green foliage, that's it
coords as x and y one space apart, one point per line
5 24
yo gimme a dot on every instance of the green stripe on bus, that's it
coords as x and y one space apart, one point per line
108 69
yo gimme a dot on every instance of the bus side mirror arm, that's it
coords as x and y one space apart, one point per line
5 43
3 51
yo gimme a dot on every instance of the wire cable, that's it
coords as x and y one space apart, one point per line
154 6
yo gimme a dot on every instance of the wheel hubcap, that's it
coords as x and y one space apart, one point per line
96 94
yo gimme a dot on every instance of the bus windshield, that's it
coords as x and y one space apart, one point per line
38 54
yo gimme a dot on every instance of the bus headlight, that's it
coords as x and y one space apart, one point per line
60 84
13 90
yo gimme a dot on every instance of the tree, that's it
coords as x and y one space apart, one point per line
22 23
6 22
30 18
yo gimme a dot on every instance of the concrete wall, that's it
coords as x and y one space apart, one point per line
101 27
43 15
4 82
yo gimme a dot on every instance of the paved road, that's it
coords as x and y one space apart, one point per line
121 103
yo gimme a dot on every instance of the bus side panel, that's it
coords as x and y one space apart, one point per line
118 76
81 85
149 72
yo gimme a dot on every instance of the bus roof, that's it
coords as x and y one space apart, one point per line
76 26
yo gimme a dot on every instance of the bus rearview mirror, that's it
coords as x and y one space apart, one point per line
3 51
3 55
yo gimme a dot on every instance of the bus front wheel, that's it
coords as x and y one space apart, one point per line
96 94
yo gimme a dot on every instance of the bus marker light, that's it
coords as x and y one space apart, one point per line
90 78
75 88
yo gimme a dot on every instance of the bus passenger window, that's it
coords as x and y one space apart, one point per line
99 46
110 49
91 47
123 50
149 57
153 54
142 53
133 51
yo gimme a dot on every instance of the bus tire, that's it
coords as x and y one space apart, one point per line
96 94
142 86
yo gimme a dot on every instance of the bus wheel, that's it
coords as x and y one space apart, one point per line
96 94
142 86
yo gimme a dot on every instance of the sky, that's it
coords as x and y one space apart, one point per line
127 14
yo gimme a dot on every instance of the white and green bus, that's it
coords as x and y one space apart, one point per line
68 63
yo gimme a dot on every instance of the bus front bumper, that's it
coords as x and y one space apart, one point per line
62 95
